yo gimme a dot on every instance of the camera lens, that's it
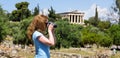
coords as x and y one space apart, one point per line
54 25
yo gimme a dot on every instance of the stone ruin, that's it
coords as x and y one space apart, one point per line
10 50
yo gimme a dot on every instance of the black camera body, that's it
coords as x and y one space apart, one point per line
54 25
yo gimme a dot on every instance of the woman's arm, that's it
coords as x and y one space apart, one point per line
51 40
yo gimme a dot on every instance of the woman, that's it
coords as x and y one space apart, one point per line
36 31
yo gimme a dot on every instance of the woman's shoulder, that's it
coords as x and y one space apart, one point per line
37 33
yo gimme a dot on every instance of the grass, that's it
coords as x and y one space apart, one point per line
77 51
88 52
25 54
116 56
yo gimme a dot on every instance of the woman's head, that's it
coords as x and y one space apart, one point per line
38 23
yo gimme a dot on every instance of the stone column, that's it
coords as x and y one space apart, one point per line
77 19
71 18
80 19
68 16
74 18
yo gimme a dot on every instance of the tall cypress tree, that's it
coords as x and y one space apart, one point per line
96 20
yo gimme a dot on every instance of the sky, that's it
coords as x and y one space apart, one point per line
86 6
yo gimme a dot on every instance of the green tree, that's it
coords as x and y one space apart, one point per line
115 34
19 31
86 22
21 12
16 32
62 32
92 35
94 20
4 30
103 25
52 15
91 20
75 35
36 10
68 35
23 27
89 35
105 40
1 10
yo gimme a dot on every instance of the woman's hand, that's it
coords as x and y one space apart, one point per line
50 28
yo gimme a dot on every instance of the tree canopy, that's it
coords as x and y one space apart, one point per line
4 30
21 13
52 15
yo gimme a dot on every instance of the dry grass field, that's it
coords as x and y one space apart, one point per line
84 51
29 53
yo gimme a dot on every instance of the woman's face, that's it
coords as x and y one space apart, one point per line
46 23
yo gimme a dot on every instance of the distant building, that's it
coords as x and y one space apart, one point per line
74 17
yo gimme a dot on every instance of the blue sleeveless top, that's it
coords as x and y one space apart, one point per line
42 50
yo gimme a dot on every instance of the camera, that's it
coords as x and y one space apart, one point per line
54 25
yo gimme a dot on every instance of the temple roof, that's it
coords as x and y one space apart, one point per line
72 12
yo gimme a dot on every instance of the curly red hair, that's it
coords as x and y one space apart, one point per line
38 23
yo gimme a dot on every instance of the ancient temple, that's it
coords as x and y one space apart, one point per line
74 17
